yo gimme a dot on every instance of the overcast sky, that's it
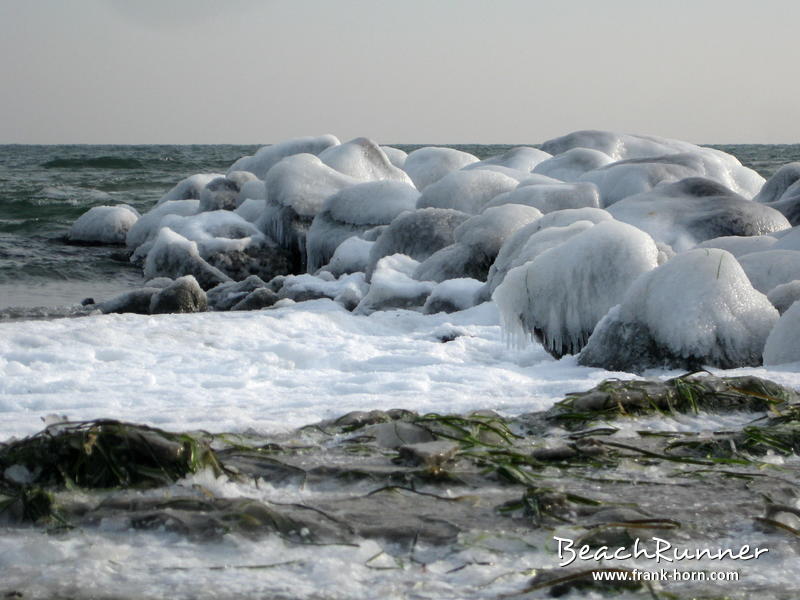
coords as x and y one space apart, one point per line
401 71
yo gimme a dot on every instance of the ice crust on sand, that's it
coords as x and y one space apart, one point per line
467 191
694 210
104 224
428 165
352 211
561 295
266 157
697 309
783 343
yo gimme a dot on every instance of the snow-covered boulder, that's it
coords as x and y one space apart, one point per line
694 210
392 286
136 301
364 160
696 309
263 160
172 255
561 295
417 234
771 268
777 185
783 343
788 239
520 158
571 165
227 295
352 211
396 156
784 295
184 295
347 290
716 164
224 193
428 165
551 197
527 242
297 187
467 191
477 242
453 295
104 224
739 245
351 256
147 226
189 188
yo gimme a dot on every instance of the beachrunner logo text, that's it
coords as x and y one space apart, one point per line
663 551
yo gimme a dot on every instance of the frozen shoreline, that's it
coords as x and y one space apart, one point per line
273 370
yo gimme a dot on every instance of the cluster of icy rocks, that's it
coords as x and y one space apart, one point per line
631 251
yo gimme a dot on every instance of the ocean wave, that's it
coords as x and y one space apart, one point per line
98 162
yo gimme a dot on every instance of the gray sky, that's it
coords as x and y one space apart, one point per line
426 71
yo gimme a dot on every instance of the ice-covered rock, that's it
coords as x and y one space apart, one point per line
251 209
364 160
136 301
784 295
561 295
783 343
789 204
527 242
716 164
396 156
227 295
184 295
476 244
146 228
351 256
467 191
347 290
551 197
104 224
697 309
223 193
393 286
172 255
788 239
520 158
263 160
739 245
428 165
571 165
257 299
297 187
189 188
694 210
771 268
417 234
453 295
351 212
777 185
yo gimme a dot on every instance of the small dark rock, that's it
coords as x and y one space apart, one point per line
183 296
